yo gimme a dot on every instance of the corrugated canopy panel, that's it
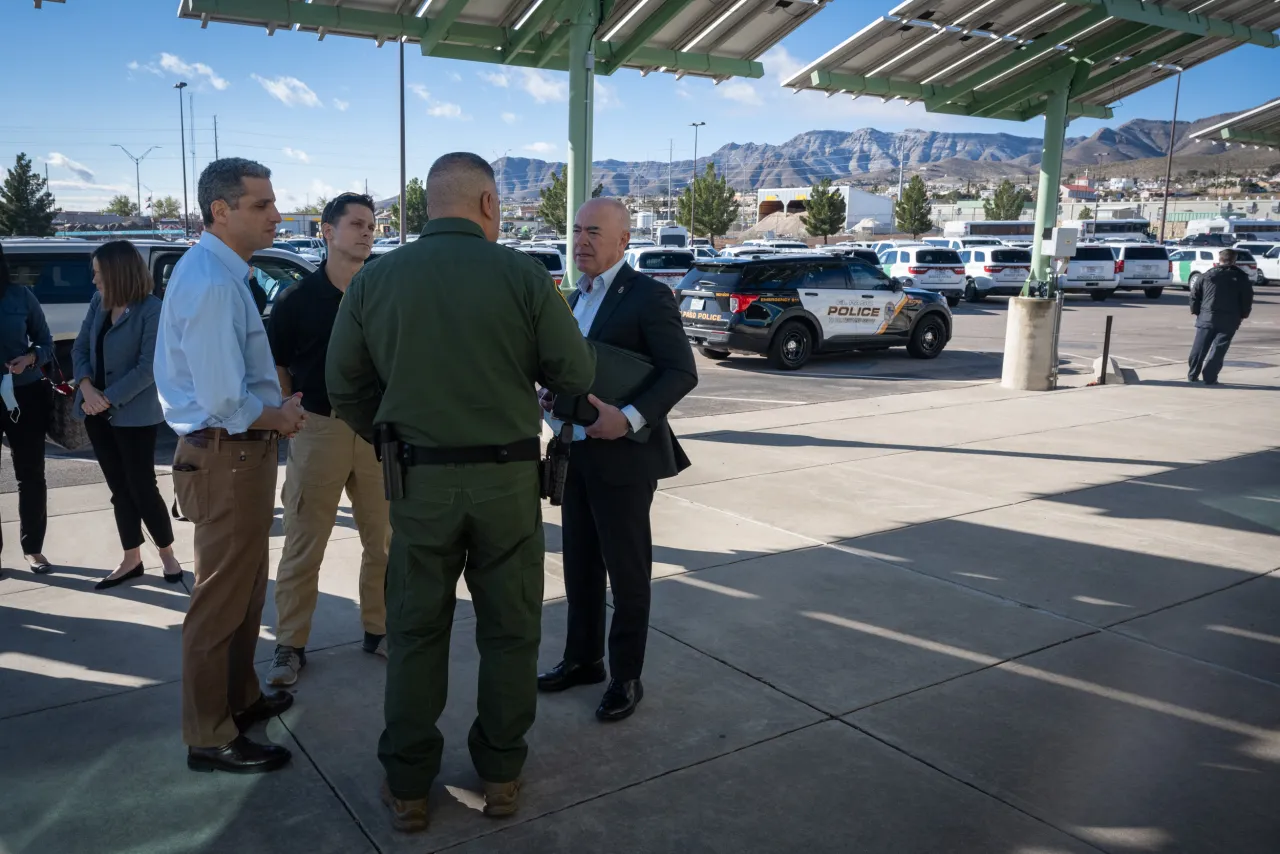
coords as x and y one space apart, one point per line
1259 126
719 39
993 57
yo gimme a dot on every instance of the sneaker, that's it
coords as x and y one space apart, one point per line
406 816
501 799
375 644
285 665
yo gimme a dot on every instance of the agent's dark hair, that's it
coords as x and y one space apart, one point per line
125 278
337 207
1227 257
4 273
224 180
456 178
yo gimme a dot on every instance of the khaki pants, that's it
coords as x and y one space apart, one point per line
228 491
324 459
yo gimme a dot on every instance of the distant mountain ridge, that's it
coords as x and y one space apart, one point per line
817 154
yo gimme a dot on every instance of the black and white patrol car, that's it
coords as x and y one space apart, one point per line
789 307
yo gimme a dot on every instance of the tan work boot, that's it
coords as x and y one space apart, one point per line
406 816
501 799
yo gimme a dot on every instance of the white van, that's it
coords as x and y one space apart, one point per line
929 268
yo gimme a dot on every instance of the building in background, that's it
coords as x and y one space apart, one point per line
859 204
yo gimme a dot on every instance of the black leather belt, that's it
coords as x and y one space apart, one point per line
523 451
210 435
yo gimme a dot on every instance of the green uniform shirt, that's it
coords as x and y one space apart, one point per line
445 337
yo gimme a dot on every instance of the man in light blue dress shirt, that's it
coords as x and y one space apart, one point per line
219 391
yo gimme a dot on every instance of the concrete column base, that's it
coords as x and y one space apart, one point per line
1030 352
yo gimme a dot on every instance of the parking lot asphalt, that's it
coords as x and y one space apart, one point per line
1145 333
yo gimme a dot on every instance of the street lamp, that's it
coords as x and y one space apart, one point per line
182 136
137 169
693 190
1173 135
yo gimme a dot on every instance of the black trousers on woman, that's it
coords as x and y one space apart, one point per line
127 456
26 443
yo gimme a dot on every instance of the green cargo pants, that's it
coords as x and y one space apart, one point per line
485 522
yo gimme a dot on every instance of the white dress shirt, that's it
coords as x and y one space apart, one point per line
213 364
590 297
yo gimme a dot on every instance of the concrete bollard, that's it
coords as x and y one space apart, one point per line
1029 352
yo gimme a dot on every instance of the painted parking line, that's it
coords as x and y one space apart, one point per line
745 399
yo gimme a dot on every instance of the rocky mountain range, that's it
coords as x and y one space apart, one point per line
862 154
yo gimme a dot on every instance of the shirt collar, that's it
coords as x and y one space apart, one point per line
457 225
224 253
602 282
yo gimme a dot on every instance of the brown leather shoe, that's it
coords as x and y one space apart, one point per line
407 816
501 799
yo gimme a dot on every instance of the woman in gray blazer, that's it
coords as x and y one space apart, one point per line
117 398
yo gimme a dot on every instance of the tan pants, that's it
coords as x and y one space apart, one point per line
324 459
228 491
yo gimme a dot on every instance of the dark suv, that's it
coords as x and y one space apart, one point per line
789 307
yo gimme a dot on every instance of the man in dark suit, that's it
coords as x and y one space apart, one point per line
1221 300
616 463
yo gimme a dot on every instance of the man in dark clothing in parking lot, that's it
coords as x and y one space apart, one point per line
1220 301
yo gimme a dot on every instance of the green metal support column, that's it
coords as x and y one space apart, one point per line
585 19
1055 131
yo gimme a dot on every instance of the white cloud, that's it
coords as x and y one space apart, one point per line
175 65
296 154
56 184
289 91
445 110
420 90
84 173
341 105
541 148
510 118
683 92
743 93
495 78
542 87
606 96
455 77
780 64
150 68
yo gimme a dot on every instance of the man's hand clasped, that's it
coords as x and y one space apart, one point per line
612 423
292 416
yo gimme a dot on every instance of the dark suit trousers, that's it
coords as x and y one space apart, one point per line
607 535
1208 352
127 457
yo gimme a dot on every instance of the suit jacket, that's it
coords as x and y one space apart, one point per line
130 349
640 314
1222 298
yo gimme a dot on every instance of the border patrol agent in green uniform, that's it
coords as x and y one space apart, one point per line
442 341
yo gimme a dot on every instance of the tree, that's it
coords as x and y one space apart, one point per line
825 211
717 204
911 212
553 200
415 208
166 208
1085 213
26 205
121 205
1007 203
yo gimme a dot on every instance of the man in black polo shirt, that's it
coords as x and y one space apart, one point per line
330 457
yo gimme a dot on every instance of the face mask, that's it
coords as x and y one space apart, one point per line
10 401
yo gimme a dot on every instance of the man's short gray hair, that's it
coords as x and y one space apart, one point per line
457 178
1227 257
224 179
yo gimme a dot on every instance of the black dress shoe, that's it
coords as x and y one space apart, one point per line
108 583
174 578
567 675
620 700
241 756
264 708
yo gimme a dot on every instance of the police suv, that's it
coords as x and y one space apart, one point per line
792 306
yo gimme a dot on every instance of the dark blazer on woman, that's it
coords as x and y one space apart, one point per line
130 349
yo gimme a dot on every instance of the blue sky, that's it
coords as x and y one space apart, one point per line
83 75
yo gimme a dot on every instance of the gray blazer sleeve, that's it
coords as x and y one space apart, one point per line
81 367
142 376
38 330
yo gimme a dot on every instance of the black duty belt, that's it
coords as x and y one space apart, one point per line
523 451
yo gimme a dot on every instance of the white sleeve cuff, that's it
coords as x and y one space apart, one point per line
637 420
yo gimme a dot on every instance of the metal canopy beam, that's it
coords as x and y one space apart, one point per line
647 29
1104 78
440 25
380 25
1271 140
1162 16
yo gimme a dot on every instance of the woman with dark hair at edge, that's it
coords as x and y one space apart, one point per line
25 347
116 396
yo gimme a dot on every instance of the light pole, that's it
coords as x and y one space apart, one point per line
182 136
693 190
1173 136
404 198
137 169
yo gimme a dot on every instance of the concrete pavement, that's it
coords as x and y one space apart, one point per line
963 620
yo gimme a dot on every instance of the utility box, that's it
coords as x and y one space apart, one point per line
1061 243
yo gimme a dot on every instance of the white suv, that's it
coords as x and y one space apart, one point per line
931 268
994 271
667 264
1142 267
550 258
